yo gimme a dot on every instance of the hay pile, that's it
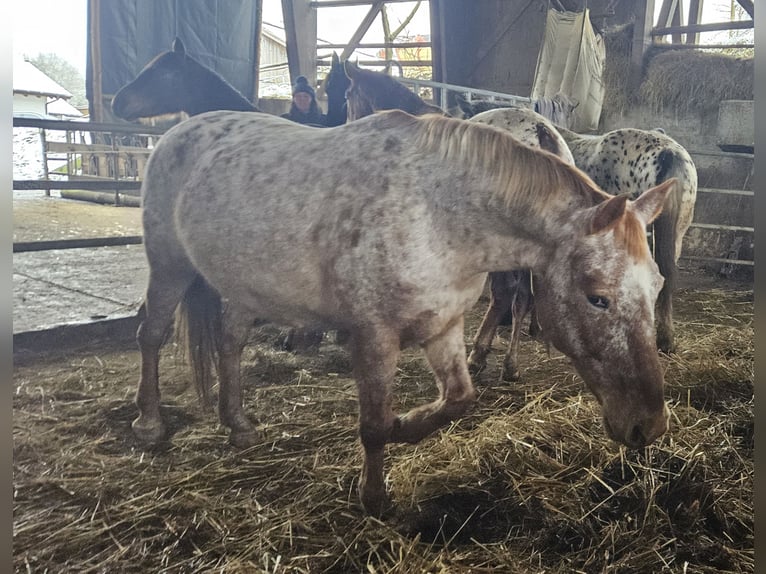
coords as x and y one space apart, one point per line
526 483
677 81
687 80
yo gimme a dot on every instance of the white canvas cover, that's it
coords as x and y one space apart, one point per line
571 61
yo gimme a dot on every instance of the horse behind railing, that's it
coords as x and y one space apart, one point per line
626 160
335 85
394 257
511 291
174 82
371 91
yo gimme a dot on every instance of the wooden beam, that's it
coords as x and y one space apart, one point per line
678 20
737 25
667 11
695 18
748 6
97 105
643 16
301 39
356 37
257 55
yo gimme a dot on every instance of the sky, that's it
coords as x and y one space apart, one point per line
60 26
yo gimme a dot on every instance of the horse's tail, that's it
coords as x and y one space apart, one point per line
198 333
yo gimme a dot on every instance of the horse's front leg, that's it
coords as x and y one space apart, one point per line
500 300
235 326
374 357
446 355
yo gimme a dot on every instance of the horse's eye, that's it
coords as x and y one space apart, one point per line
598 301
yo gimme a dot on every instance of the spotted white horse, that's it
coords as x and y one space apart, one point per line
512 290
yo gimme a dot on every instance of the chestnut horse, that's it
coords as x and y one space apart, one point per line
391 244
628 160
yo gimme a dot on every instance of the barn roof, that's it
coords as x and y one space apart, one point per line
28 79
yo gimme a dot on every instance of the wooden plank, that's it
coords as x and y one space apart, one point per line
643 15
341 3
102 185
695 18
89 242
301 39
677 20
97 102
748 6
125 128
64 147
737 25
667 10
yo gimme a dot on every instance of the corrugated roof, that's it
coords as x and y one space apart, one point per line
28 79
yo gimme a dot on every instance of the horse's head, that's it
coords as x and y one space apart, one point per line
157 90
337 81
335 86
596 304
360 96
372 91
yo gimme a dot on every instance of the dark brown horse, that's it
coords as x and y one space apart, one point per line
392 245
335 85
371 91
174 82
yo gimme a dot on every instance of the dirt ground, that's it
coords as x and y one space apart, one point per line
74 285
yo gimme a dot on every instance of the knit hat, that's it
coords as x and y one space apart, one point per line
302 85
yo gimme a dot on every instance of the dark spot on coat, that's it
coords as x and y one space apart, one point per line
392 144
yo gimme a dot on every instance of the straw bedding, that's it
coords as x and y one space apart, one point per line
526 483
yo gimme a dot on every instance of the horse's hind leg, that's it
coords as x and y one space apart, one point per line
235 326
500 300
163 294
521 307
446 355
665 250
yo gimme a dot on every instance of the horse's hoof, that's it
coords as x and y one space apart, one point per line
510 375
666 346
148 433
244 439
377 505
475 366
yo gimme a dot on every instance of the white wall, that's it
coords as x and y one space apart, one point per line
29 104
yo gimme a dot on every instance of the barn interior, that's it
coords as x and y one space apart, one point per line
527 482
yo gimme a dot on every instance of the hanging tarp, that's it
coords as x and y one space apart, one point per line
571 63
221 34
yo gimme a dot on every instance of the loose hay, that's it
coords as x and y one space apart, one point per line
525 483
688 80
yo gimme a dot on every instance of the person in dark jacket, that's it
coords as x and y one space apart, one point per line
304 108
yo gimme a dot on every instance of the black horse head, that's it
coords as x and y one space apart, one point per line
336 84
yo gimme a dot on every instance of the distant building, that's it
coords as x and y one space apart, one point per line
36 95
274 74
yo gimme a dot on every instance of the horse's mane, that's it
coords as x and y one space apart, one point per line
528 178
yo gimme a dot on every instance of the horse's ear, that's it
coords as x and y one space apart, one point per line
335 60
178 46
351 69
608 213
649 204
547 140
